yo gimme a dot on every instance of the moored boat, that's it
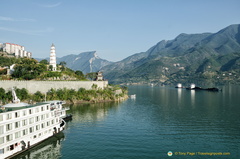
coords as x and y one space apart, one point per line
23 126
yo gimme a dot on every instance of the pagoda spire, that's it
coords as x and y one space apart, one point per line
53 61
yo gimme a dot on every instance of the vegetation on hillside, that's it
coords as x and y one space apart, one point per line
28 69
111 93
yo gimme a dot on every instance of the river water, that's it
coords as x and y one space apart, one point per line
190 124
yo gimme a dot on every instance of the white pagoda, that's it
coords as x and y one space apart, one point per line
53 60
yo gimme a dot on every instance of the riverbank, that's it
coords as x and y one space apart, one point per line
112 93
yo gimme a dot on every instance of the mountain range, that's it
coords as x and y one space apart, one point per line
187 58
212 57
86 61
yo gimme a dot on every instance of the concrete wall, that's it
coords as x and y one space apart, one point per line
45 86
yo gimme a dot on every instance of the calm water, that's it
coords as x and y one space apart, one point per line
161 119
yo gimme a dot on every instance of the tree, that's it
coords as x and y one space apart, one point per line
44 62
79 73
92 75
63 64
50 67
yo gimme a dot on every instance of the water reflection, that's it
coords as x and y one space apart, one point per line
192 97
91 112
49 149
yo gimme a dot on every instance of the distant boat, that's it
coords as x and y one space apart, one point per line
179 85
194 87
133 96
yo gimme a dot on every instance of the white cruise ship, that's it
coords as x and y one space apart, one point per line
23 126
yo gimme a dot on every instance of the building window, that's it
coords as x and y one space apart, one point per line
47 107
1 118
52 121
37 110
9 127
30 111
9 137
42 108
17 124
48 123
47 115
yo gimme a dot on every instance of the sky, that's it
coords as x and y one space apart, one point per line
115 29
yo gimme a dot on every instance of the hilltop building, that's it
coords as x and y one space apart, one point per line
15 50
99 76
53 61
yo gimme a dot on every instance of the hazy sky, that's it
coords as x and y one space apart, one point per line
114 28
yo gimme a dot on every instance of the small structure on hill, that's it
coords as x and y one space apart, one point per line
99 76
53 61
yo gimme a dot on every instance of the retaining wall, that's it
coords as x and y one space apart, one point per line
45 86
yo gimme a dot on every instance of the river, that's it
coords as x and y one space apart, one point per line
160 121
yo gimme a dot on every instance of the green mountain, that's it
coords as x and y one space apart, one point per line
212 57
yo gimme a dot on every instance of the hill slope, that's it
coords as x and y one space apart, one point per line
188 57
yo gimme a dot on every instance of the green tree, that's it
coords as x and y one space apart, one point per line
50 67
92 75
45 62
63 64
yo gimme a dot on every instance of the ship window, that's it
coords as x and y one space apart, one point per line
24 112
9 116
17 124
37 118
9 137
17 114
1 129
30 129
1 118
1 151
25 132
43 125
24 122
9 127
39 134
1 140
37 127
17 134
35 136
31 120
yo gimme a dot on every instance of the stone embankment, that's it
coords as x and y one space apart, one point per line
45 86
